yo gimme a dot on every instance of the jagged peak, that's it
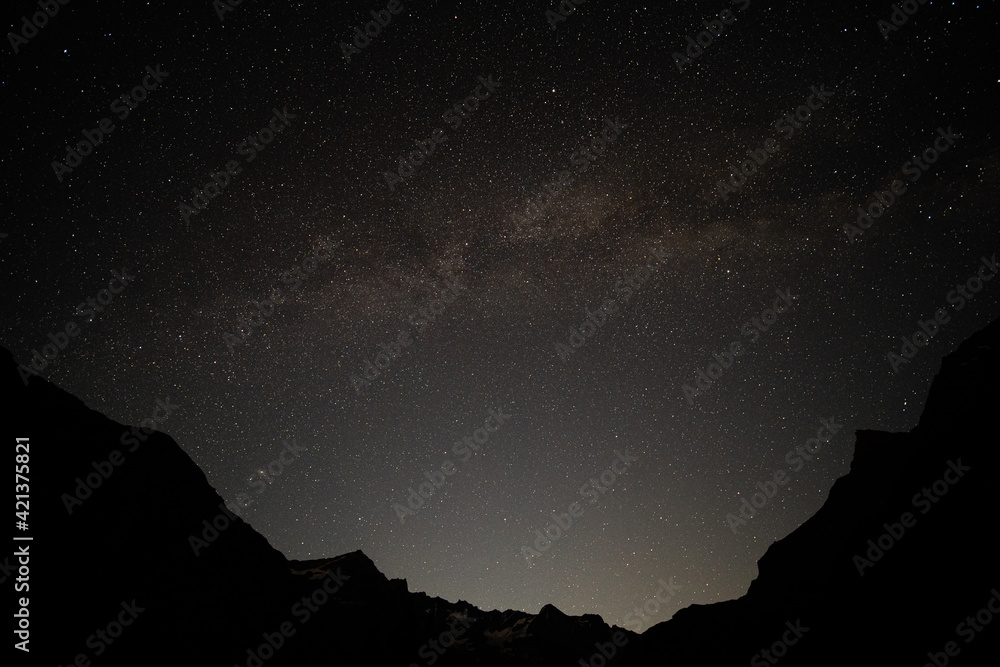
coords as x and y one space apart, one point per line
551 611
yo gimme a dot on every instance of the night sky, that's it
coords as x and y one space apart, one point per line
431 272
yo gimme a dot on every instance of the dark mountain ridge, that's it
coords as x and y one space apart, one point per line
198 584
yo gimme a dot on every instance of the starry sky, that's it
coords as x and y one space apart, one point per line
389 277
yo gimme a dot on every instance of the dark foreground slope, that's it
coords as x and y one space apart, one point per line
910 589
148 567
125 555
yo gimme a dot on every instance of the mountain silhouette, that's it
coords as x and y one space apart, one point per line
134 559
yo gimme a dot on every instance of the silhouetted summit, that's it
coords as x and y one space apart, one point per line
886 572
